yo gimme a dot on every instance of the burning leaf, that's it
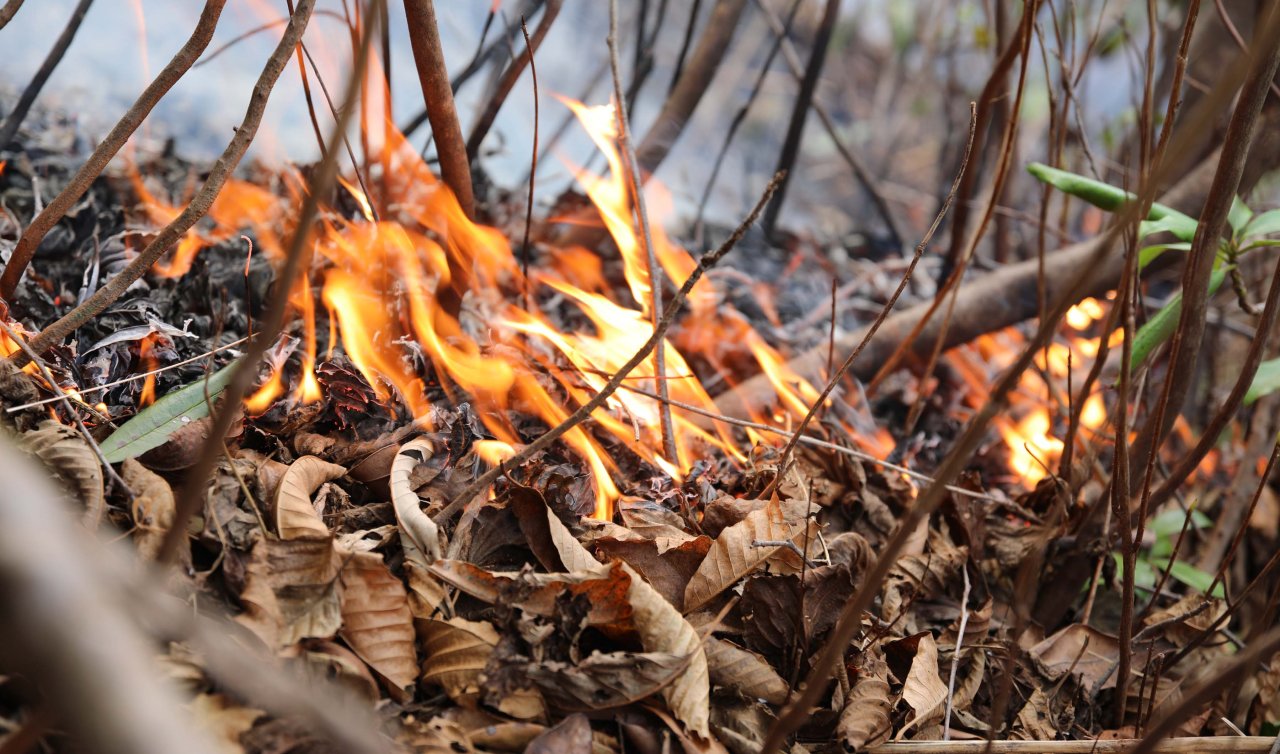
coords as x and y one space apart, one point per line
571 734
296 517
923 688
153 507
376 621
224 720
744 672
735 553
606 680
419 535
291 591
457 651
864 721
71 458
153 425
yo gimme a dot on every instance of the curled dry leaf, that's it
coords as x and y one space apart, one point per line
457 651
224 720
734 554
68 456
921 575
744 672
296 517
153 507
604 592
864 721
923 688
605 680
376 621
291 591
661 628
419 535
571 734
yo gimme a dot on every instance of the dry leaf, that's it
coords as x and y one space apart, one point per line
376 621
419 535
153 507
572 734
733 554
435 736
923 688
1087 652
332 662
224 720
605 680
603 592
457 651
291 591
66 454
744 672
1035 720
864 721
296 517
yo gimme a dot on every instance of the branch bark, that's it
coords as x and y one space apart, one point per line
107 149
10 127
9 10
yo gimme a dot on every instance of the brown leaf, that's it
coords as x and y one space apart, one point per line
744 672
921 576
741 725
376 621
224 720
69 457
435 736
604 592
605 680
332 662
296 517
1035 720
291 591
667 566
419 535
1090 651
153 507
457 651
923 689
571 734
864 721
733 554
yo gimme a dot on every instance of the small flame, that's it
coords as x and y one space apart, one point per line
148 362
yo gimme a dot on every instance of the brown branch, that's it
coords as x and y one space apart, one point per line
653 269
9 10
533 170
694 80
20 110
97 162
200 203
320 185
103 684
438 96
1188 745
800 110
584 411
508 80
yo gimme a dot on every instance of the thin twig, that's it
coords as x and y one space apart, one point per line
584 411
8 11
114 141
1189 745
200 203
20 110
533 169
652 268
955 656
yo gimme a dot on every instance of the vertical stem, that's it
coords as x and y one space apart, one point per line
20 110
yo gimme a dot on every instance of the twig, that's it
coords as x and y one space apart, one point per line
200 203
652 268
692 84
20 110
1190 745
306 89
346 142
533 169
438 96
1244 521
955 656
690 26
114 141
584 411
8 11
484 121
800 111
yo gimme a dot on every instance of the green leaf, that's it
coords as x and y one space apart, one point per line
153 425
1148 254
1263 225
1182 227
1190 575
1239 215
1160 327
1108 197
1265 382
1168 523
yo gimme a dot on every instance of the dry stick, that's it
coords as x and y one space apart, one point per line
438 96
200 203
321 184
694 80
20 110
1253 358
97 162
1189 745
870 333
1230 26
584 411
1244 522
800 111
694 8
103 684
653 269
533 169
509 78
8 11
346 142
217 51
306 89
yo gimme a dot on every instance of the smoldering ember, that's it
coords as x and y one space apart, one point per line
773 376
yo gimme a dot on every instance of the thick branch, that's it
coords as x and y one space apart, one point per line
9 10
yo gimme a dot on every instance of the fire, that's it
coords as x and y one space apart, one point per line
148 362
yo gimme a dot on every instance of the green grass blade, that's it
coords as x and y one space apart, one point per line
153 425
